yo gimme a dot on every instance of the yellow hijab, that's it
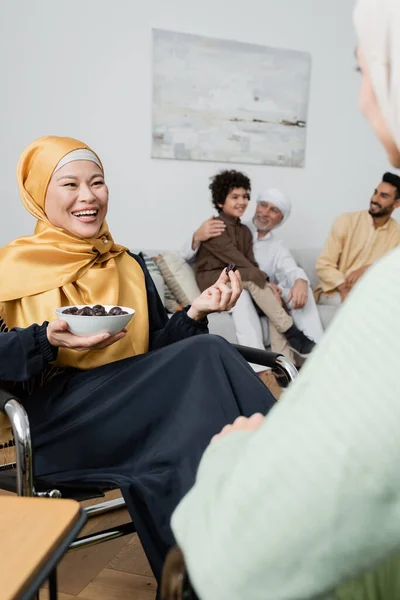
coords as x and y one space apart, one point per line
54 268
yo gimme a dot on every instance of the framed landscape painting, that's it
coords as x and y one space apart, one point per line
226 101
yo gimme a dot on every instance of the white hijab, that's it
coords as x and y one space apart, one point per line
377 24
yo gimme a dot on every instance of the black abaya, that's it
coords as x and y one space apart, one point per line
142 423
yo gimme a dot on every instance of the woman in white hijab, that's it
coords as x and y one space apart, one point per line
306 503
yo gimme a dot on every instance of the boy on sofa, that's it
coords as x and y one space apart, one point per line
230 192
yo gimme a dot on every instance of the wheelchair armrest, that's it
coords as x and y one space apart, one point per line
273 360
18 418
4 398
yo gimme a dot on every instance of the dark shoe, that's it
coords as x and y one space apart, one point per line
299 342
282 379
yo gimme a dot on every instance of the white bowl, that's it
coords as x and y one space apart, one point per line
85 325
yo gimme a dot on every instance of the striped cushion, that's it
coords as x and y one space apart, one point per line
169 300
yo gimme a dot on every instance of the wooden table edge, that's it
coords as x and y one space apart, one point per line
37 578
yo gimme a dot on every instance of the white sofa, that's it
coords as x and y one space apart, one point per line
222 323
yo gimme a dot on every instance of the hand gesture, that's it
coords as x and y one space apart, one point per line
209 229
354 276
59 336
298 294
219 297
344 291
241 424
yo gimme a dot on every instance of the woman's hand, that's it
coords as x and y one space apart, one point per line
59 336
219 297
241 424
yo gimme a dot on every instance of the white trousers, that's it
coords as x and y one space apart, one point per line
248 325
332 299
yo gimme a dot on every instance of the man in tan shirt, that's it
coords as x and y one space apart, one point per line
356 241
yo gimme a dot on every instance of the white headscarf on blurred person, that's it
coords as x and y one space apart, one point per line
377 24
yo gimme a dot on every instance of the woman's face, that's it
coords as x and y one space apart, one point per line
77 199
370 108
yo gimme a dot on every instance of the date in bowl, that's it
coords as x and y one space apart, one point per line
92 319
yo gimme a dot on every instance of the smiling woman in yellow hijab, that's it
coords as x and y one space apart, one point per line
135 410
56 268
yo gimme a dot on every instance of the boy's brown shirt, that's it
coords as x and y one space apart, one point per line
234 245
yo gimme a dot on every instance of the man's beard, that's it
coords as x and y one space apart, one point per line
260 227
383 212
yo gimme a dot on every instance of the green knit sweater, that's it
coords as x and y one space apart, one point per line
312 499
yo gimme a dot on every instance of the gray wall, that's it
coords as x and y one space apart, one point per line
83 68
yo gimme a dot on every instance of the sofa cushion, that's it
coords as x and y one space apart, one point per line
222 324
179 276
163 290
158 281
306 259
